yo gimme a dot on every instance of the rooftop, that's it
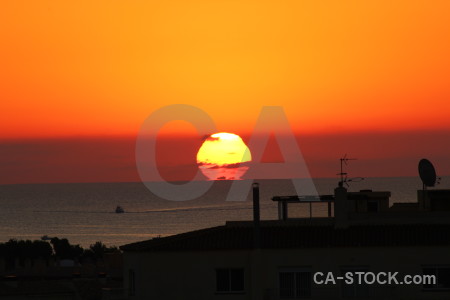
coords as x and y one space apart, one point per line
290 235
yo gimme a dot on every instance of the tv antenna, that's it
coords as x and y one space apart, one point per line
427 174
343 174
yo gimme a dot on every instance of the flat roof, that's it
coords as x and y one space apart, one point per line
279 235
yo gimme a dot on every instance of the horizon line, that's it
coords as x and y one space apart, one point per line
186 181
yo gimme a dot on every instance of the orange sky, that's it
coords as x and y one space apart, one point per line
88 69
101 67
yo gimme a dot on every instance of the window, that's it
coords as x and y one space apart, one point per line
131 283
230 280
356 289
295 284
442 274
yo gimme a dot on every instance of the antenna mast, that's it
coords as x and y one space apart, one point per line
343 174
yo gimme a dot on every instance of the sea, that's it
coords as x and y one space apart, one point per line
84 213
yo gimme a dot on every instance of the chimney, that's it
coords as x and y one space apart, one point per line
256 218
340 207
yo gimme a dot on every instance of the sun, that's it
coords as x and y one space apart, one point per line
222 156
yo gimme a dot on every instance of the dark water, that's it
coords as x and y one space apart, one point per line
84 212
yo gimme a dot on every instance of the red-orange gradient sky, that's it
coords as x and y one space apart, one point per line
76 73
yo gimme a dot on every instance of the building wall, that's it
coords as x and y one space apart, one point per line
405 260
191 275
188 275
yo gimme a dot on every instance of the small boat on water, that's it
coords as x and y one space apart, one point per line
45 238
119 209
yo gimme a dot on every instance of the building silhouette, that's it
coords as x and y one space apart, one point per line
278 259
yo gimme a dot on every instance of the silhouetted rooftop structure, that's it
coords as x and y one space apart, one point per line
276 259
276 236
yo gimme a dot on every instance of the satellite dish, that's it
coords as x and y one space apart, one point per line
427 172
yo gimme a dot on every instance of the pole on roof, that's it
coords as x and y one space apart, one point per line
256 216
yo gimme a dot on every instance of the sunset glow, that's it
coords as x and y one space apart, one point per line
85 73
93 68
